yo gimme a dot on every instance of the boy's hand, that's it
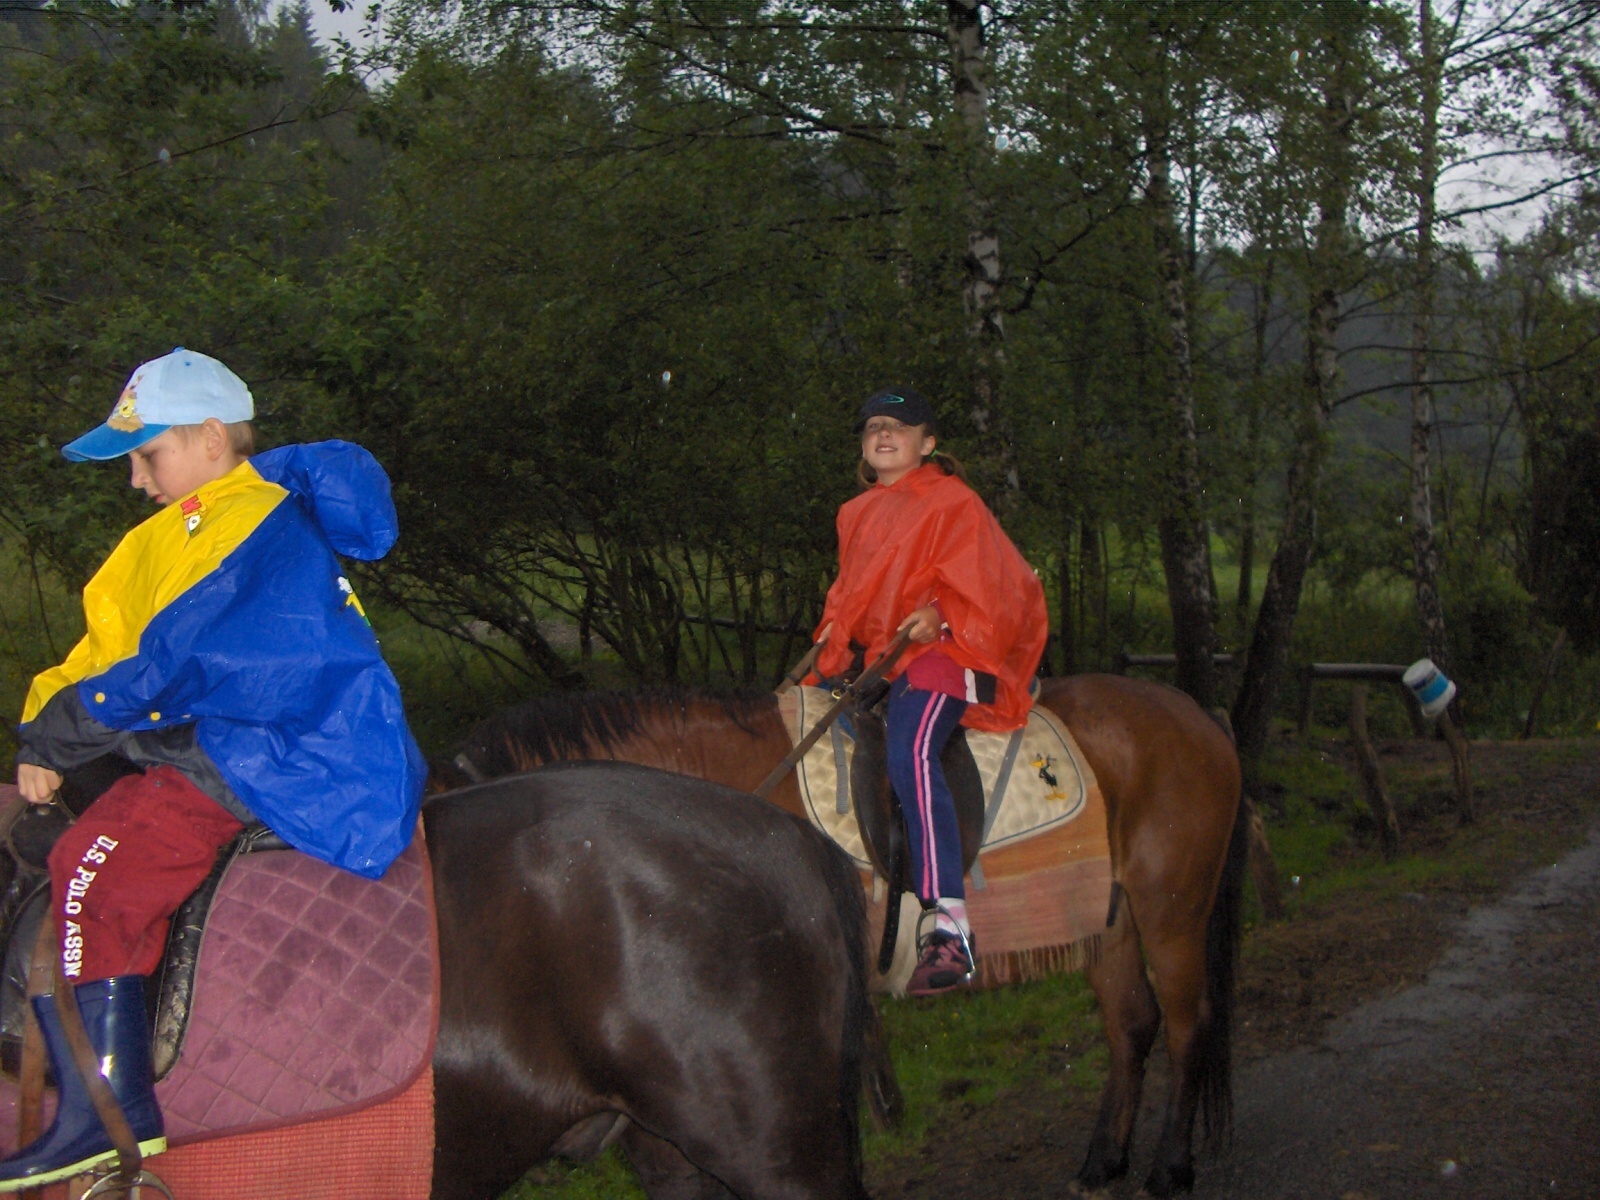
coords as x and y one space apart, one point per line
37 784
924 624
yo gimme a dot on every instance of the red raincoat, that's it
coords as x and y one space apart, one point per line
929 538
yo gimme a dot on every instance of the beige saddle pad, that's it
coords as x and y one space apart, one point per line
1034 778
1041 887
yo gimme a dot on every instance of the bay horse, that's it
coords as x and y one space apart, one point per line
633 957
1178 840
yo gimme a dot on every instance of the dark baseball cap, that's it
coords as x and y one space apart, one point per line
903 404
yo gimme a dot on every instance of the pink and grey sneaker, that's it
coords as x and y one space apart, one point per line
945 964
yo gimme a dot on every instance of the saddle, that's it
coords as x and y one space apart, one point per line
290 990
171 993
1033 835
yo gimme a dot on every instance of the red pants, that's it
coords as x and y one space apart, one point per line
122 869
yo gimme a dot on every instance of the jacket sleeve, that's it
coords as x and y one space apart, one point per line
62 735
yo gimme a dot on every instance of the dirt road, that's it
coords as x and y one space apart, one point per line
1443 1045
1482 1083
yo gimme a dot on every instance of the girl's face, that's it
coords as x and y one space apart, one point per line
894 450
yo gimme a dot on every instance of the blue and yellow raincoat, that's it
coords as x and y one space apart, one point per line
224 639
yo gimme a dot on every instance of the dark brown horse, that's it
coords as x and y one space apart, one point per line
1171 783
632 957
617 942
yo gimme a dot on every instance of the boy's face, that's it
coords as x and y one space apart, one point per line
173 464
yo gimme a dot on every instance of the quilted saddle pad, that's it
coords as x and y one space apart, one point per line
316 991
316 994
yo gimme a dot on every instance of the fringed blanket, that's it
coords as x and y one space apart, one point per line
1040 892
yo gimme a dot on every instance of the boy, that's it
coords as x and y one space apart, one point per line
227 655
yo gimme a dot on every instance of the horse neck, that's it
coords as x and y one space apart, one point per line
702 738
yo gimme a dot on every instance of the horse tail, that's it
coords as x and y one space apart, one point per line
860 1018
1223 935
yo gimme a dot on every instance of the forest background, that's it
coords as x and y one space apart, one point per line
1208 295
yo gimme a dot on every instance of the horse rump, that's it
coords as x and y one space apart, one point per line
620 940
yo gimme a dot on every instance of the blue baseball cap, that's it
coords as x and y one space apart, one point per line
181 388
904 405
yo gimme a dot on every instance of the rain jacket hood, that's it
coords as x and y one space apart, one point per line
228 612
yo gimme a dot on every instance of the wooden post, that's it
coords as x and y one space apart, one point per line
1419 723
1465 812
1308 680
1263 866
1372 774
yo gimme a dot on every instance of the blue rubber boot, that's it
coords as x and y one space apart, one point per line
114 1017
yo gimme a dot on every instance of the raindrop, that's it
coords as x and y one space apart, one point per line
1295 880
163 155
1294 58
666 378
1001 142
1448 1168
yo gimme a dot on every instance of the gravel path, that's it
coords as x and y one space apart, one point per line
1481 1083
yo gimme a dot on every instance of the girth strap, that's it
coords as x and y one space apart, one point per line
841 770
1002 780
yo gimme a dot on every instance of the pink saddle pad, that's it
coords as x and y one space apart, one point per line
316 994
317 991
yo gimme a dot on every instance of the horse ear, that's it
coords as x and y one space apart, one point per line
446 775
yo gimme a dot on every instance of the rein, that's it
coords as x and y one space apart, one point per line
801 669
44 978
843 698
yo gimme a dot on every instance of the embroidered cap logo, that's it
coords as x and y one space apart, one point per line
125 416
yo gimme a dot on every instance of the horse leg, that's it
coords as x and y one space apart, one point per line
664 1173
1179 968
1128 1009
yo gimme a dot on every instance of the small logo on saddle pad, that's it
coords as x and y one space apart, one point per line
1044 762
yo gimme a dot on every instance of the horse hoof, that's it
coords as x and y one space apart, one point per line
1091 1181
1168 1181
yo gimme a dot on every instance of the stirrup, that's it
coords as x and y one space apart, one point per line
110 1184
964 938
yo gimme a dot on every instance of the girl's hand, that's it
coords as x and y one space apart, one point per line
37 784
823 636
924 624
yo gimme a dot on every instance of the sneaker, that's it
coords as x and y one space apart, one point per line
943 966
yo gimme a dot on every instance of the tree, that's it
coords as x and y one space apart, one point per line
151 198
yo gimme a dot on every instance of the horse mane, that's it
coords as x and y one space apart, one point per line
580 725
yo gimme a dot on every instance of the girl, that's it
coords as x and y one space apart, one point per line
918 550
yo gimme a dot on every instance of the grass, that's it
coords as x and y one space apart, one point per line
1325 841
961 1052
952 1056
